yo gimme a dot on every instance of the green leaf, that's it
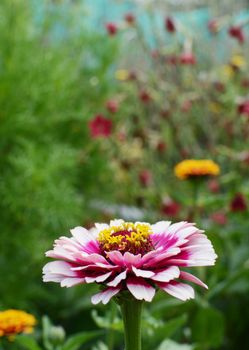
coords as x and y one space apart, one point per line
169 328
171 345
27 342
208 327
75 341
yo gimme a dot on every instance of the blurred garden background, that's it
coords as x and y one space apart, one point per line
100 99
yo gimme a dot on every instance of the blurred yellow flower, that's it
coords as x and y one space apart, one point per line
13 322
238 61
195 168
215 107
227 71
122 74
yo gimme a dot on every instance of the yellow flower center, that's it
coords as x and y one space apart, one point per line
126 237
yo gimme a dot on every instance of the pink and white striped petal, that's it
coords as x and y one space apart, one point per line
105 296
140 289
189 277
167 275
63 268
118 279
98 278
160 227
131 260
70 282
178 290
142 273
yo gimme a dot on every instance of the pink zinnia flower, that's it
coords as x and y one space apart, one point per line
100 126
135 257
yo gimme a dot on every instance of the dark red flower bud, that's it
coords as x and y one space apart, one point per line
170 207
129 18
237 33
145 178
161 147
238 203
170 25
243 107
144 96
111 28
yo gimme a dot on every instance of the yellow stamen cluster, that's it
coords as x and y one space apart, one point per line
13 322
126 237
195 168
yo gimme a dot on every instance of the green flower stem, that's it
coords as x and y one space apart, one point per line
131 311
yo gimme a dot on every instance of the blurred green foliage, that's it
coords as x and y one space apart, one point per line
47 93
55 75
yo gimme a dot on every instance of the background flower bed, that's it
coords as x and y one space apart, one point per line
56 173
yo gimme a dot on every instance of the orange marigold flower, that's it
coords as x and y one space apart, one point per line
14 322
195 168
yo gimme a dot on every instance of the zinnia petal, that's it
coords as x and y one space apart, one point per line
179 290
105 296
140 289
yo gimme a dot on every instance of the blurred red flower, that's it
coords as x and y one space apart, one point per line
219 86
243 107
219 218
170 207
165 113
129 18
100 126
111 28
112 106
172 60
213 186
238 203
245 83
145 178
170 25
186 106
161 147
187 58
144 96
237 33
213 26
